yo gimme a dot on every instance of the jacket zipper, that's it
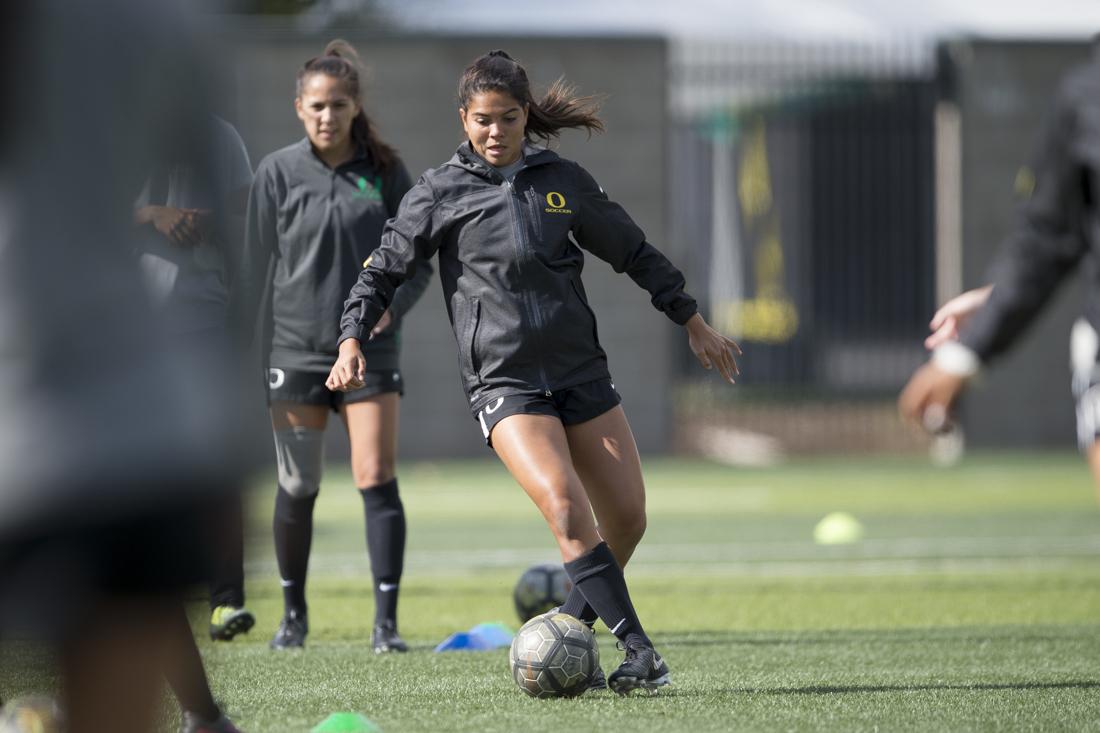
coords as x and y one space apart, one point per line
522 250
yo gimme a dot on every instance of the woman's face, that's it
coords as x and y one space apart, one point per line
327 111
494 123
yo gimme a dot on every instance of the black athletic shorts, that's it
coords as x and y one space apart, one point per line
572 405
53 577
308 388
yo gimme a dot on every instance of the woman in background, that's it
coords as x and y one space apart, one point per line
315 216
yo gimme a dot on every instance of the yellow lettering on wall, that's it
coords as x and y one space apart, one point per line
754 183
766 320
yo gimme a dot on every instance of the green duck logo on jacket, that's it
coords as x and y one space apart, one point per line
364 189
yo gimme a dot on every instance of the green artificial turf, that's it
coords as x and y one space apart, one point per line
971 603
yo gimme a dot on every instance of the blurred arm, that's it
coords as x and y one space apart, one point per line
1046 243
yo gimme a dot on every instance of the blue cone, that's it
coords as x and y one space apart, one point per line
481 637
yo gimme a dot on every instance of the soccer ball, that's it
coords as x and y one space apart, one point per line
37 713
554 655
540 588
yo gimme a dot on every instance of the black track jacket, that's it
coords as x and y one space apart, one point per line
309 231
1058 224
510 266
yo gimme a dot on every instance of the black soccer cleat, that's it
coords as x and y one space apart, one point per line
292 631
643 667
598 681
192 723
228 621
384 639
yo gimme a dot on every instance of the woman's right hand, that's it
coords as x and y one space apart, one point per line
712 349
350 368
182 227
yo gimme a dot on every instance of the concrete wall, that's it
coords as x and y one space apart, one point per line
1003 90
411 98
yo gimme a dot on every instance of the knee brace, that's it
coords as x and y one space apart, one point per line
300 454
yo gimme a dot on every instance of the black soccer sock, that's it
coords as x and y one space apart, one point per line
293 527
576 606
600 580
385 545
227 541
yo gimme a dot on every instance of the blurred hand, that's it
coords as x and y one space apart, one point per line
929 398
953 314
383 323
712 348
183 227
350 368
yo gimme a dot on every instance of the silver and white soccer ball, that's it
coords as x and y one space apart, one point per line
554 655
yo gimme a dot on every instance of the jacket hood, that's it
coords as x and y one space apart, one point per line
466 159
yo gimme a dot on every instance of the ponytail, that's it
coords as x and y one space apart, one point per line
340 61
559 108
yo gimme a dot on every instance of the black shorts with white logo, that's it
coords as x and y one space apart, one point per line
308 388
572 405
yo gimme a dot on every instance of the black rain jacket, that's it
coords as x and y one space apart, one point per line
1058 225
309 230
510 265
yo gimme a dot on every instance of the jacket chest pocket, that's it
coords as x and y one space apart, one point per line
550 218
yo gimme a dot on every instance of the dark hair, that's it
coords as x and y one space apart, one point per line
496 71
340 61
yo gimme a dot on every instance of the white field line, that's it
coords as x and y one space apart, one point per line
898 556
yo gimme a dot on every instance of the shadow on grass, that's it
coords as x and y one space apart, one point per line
848 689
1022 634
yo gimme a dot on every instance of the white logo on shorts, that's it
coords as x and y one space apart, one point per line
275 378
488 410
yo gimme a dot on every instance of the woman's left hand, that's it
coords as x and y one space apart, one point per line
712 348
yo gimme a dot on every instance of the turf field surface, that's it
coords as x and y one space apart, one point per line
971 603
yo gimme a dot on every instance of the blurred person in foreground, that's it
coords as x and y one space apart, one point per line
189 216
113 439
1057 230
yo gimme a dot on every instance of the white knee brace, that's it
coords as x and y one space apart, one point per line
300 455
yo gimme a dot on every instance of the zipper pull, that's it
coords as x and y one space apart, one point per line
547 393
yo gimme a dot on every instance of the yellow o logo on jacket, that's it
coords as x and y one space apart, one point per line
555 200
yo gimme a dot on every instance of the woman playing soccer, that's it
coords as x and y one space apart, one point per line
506 219
315 215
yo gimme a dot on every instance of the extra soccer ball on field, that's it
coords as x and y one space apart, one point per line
540 588
554 655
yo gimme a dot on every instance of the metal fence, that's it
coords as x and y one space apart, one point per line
803 185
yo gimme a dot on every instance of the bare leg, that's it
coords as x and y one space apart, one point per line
1094 466
112 671
186 677
293 415
535 450
606 459
372 430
